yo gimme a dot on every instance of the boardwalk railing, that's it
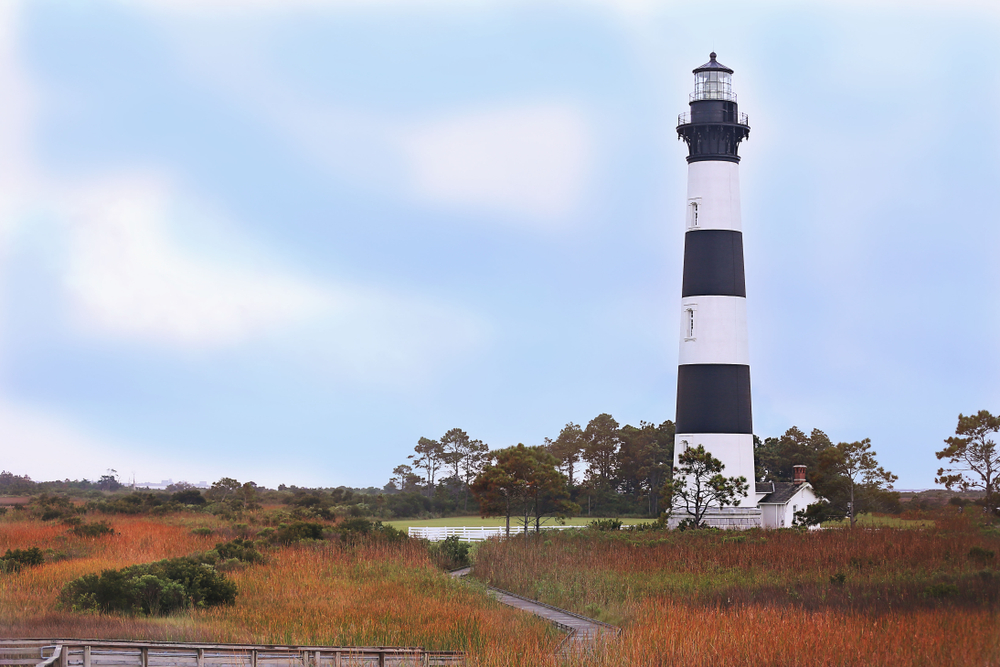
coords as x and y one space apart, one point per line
95 652
473 534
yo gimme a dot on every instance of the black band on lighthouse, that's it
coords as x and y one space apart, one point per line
713 398
713 263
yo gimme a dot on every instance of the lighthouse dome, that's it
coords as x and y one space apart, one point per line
713 81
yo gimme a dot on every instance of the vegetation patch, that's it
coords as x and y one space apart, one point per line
153 589
15 559
94 529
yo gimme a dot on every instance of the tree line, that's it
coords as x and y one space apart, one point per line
606 469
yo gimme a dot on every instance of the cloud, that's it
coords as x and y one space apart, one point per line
129 278
530 160
130 274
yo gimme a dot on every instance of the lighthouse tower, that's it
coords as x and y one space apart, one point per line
713 377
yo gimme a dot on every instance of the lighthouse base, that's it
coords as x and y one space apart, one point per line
727 518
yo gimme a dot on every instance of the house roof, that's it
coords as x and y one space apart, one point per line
782 493
765 487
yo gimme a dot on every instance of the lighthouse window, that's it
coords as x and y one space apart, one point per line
693 207
689 323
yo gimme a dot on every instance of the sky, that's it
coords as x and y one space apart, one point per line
282 240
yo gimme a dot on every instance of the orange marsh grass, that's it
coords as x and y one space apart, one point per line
768 597
680 635
325 594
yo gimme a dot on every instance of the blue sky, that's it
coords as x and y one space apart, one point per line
283 240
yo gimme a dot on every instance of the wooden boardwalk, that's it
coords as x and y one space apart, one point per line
98 653
584 632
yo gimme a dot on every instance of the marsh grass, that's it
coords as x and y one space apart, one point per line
905 597
868 597
321 592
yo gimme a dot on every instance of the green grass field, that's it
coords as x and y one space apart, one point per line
869 521
476 521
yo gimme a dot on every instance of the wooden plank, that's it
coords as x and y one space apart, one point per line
86 657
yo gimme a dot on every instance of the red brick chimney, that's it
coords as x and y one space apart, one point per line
799 474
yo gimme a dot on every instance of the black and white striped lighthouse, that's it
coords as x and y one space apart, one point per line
713 377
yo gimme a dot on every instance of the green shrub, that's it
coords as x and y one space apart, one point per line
838 579
51 507
202 531
188 497
95 529
981 555
456 550
606 524
298 531
356 528
153 588
15 559
941 590
240 549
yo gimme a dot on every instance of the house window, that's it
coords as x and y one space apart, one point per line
693 211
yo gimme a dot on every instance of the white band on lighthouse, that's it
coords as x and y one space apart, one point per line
714 330
714 195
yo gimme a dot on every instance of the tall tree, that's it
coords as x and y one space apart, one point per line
404 479
454 447
644 461
775 457
850 480
522 481
601 449
973 457
476 454
698 485
427 455
567 448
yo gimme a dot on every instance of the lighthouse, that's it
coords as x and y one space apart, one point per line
713 375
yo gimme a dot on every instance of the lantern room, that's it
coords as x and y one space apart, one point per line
713 81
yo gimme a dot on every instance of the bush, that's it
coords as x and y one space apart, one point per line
202 531
95 529
942 590
15 559
188 497
455 551
240 549
50 507
132 503
298 531
352 530
981 555
154 588
606 524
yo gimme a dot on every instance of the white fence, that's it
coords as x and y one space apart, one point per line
472 534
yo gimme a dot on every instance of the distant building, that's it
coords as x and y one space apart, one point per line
779 501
